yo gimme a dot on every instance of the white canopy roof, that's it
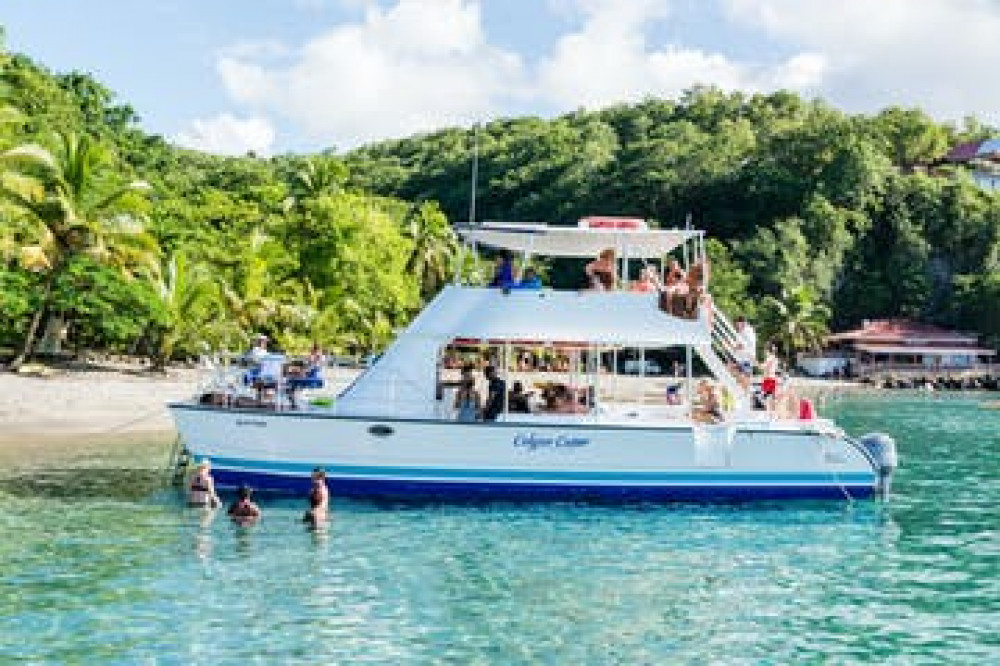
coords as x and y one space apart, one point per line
608 318
542 239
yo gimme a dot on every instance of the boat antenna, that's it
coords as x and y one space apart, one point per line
475 174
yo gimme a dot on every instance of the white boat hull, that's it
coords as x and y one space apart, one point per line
429 458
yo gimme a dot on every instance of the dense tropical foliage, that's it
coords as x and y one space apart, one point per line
112 238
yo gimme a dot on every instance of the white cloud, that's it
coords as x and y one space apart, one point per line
608 60
228 135
936 54
257 49
417 66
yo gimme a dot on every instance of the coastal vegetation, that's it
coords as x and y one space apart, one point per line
112 238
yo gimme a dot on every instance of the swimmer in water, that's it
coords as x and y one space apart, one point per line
243 510
201 488
319 500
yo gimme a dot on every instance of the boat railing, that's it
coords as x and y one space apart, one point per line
725 337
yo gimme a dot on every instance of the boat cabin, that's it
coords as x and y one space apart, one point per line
552 343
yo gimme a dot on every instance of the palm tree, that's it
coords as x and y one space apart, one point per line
187 295
434 246
797 321
260 299
314 179
68 205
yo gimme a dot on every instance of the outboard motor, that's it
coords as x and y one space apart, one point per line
882 449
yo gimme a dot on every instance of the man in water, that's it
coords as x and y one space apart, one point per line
495 394
244 511
319 500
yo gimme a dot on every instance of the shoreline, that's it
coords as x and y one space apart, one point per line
125 403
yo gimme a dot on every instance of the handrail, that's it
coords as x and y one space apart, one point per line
724 335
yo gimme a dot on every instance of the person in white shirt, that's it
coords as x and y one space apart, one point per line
746 346
259 350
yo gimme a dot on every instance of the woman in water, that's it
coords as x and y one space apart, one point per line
201 488
319 499
243 510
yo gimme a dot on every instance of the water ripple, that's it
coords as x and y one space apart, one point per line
107 566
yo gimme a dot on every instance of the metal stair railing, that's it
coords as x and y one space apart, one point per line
725 337
722 373
722 354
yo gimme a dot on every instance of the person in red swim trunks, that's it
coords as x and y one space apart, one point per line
769 383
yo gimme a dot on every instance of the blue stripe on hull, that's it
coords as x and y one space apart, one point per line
571 476
496 490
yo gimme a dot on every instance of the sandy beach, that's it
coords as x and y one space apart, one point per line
116 401
90 402
101 401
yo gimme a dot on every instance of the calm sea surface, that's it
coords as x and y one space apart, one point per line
100 563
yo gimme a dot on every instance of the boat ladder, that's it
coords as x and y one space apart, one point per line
177 465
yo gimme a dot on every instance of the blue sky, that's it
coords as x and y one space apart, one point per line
272 76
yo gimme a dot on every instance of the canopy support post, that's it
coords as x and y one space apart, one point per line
506 377
642 375
688 384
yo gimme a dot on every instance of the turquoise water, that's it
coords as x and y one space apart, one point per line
100 563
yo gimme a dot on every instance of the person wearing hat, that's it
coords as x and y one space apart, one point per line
201 488
243 510
259 350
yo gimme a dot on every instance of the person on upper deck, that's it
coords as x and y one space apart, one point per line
601 271
529 280
674 276
689 297
503 272
648 281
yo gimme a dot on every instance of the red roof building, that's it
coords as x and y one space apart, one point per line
902 344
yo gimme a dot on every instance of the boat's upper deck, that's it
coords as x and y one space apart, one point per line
550 316
630 238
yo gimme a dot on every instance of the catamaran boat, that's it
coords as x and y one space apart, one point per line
395 432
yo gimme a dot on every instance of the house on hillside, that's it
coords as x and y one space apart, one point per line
899 346
980 158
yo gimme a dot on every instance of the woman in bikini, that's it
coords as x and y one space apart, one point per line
201 488
319 499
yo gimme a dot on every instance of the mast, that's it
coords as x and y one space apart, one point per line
475 174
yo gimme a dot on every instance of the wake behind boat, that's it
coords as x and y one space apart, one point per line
400 430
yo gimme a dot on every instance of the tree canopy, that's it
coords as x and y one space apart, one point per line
818 218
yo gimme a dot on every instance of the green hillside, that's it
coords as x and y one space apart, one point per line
113 239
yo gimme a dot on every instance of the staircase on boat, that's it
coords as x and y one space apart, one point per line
721 355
